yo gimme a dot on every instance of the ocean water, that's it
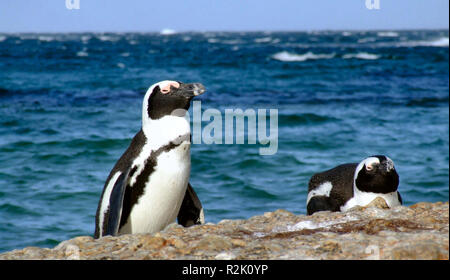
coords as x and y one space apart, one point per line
70 104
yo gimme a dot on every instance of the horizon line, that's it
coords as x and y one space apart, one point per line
234 31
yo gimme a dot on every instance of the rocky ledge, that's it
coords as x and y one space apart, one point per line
420 231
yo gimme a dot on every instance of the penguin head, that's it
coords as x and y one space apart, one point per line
168 97
376 174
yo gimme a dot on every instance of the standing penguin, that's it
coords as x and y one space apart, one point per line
351 184
149 188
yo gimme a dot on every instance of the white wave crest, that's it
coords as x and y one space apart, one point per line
290 57
45 38
167 31
107 38
361 55
387 34
263 40
441 42
82 54
276 41
2 38
232 42
366 40
85 38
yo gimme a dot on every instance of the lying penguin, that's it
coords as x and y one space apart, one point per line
348 185
149 188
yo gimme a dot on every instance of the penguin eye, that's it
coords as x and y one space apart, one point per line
166 87
369 167
165 90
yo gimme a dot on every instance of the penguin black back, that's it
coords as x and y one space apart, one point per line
330 189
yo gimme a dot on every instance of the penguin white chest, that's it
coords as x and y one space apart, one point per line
364 198
163 193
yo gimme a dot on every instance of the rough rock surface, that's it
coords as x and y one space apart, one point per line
420 231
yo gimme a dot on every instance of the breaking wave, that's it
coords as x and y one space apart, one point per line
291 57
361 55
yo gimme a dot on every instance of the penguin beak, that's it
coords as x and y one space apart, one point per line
190 90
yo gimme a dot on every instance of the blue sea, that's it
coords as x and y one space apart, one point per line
71 103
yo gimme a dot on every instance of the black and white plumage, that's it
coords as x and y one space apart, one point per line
148 188
348 185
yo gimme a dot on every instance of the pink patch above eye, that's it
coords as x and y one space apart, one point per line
165 87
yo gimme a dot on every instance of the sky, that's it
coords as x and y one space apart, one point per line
220 15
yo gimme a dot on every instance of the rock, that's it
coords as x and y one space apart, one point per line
213 242
72 252
330 247
420 231
238 242
425 250
378 202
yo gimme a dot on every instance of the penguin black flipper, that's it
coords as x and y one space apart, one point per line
108 215
191 211
116 205
321 203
